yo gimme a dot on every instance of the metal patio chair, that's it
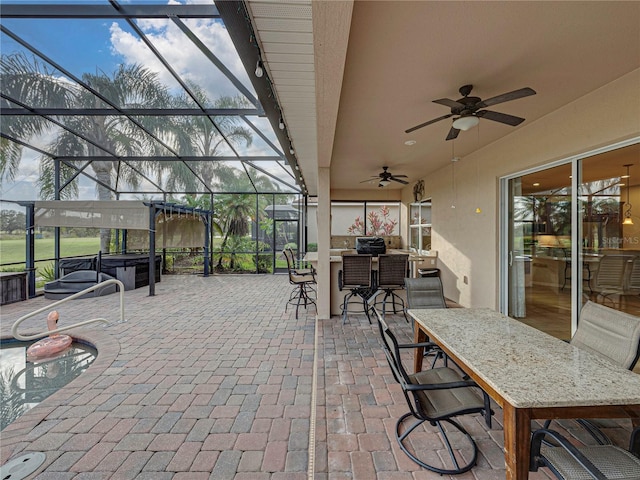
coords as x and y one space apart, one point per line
392 271
357 277
611 277
303 281
609 333
426 292
600 462
436 396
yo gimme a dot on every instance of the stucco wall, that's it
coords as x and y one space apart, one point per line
467 243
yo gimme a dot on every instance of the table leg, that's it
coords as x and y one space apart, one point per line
419 336
517 433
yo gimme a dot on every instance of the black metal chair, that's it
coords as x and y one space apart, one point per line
356 276
303 281
600 462
426 292
436 396
611 277
392 271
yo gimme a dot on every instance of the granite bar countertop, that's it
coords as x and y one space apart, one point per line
527 367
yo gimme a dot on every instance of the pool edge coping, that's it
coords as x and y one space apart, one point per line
107 347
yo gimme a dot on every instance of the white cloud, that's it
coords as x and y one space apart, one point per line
182 54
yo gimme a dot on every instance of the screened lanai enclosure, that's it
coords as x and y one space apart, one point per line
106 101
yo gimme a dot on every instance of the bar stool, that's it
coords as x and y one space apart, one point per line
303 281
392 270
356 276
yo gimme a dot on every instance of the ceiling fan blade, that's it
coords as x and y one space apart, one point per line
428 123
396 179
453 133
369 180
449 103
507 97
400 176
500 117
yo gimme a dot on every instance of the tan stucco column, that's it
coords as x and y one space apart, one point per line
324 243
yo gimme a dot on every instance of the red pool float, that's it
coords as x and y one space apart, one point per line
51 345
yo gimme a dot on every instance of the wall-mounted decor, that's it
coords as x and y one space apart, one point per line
418 190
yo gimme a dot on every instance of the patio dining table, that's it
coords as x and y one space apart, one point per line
529 374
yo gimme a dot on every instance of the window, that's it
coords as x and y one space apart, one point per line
420 226
365 218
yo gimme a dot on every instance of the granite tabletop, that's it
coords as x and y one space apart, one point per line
527 367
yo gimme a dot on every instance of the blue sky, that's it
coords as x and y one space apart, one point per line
92 45
79 45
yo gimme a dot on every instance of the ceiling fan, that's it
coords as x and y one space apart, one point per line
385 178
468 110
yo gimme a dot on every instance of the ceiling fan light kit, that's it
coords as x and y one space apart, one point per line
466 123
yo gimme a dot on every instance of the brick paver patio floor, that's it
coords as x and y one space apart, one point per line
211 379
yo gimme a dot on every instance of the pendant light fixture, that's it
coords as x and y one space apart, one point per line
478 209
627 214
454 160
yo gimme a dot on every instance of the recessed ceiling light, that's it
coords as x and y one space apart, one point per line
536 184
410 142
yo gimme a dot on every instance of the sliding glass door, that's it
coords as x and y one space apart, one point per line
540 248
569 235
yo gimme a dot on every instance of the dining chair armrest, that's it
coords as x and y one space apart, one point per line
536 443
634 442
418 345
414 387
302 266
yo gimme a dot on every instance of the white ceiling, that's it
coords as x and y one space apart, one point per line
285 34
402 55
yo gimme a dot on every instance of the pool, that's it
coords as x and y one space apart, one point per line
24 384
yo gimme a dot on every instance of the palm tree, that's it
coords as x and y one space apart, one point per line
198 136
129 86
31 83
235 212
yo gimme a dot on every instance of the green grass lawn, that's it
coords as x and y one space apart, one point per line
14 250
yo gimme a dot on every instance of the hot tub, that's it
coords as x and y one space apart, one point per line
131 269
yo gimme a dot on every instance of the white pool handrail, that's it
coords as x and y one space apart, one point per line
26 338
